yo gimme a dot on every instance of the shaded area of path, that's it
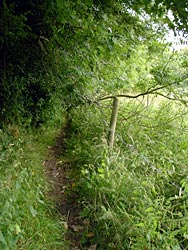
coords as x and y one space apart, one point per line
59 174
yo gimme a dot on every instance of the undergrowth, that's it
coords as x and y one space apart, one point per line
28 219
134 196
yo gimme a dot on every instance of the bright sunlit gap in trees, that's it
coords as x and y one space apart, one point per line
178 42
178 39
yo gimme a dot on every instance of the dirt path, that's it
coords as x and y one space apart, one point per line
59 172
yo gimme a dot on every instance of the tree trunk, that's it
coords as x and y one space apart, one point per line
113 122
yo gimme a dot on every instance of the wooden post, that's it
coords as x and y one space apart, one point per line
113 122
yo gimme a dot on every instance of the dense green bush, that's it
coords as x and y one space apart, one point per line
135 195
26 60
71 51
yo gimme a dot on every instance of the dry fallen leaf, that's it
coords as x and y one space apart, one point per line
86 222
93 247
90 234
65 225
77 228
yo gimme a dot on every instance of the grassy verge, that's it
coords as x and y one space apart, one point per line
28 219
134 197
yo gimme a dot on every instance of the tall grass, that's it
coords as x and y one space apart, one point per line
134 196
28 219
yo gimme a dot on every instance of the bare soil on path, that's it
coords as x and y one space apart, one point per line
59 175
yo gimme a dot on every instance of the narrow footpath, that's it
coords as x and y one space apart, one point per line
59 175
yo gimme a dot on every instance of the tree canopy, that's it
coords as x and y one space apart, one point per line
74 51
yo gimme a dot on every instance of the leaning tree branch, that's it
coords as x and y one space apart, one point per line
149 91
172 98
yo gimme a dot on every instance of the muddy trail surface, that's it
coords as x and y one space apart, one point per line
59 173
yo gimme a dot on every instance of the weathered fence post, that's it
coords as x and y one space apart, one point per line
113 122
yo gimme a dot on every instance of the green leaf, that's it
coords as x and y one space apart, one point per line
18 185
2 239
141 224
149 209
84 213
33 211
186 188
101 170
17 229
103 208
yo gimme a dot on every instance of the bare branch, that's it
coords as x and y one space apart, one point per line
172 98
149 91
